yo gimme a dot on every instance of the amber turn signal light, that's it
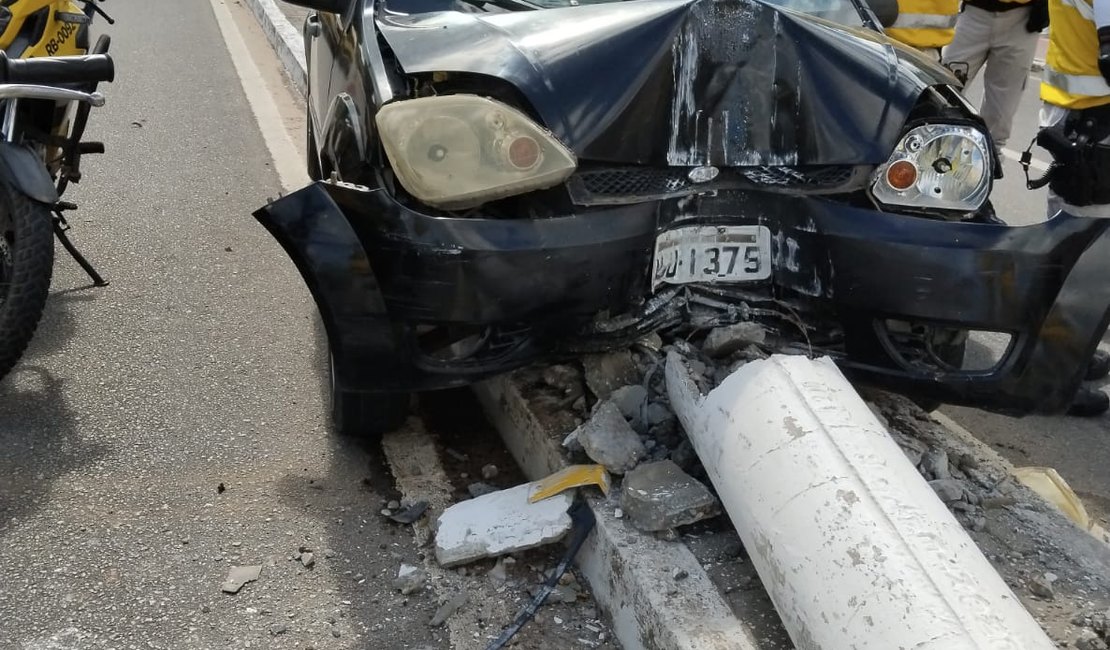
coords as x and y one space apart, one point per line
901 175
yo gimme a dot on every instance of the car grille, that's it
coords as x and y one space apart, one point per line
601 185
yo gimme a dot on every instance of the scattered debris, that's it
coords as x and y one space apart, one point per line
480 489
582 519
308 560
498 523
500 573
238 576
1088 640
934 465
1041 587
630 399
489 472
606 373
724 341
947 489
659 496
564 378
448 609
680 574
410 513
278 629
410 579
569 477
608 439
220 489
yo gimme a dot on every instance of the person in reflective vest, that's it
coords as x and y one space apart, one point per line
1001 35
927 25
1075 91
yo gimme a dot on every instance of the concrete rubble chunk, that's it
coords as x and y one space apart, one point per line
410 579
723 341
498 523
934 464
448 609
561 377
480 489
608 439
1041 587
606 373
659 496
631 400
948 489
238 576
1088 640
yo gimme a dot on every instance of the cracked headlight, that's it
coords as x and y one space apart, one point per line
460 151
937 166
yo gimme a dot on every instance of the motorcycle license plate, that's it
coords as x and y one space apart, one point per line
712 254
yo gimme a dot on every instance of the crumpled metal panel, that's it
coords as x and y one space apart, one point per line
685 82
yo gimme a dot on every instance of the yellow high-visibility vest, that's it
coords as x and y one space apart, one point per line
1071 78
925 23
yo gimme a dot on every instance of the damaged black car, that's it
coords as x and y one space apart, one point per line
501 182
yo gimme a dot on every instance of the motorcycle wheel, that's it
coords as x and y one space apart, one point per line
26 266
365 415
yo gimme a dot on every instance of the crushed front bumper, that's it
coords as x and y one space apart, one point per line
381 273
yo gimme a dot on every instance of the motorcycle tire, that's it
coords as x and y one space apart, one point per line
26 266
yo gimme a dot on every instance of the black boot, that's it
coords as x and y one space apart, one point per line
1089 402
1099 366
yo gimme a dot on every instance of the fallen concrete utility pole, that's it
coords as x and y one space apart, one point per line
850 541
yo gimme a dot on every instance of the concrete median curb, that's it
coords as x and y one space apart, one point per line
286 40
631 573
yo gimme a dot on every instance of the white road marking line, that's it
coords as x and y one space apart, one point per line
288 164
1015 156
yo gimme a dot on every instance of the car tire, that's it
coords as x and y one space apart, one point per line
312 157
368 416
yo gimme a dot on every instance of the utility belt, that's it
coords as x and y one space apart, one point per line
1080 148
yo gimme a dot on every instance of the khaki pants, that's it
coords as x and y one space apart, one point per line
1050 116
1000 41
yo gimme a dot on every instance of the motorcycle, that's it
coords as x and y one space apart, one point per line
48 85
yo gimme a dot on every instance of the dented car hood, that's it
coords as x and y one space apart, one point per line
684 82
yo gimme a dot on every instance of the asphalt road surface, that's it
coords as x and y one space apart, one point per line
200 366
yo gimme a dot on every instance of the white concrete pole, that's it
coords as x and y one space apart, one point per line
854 547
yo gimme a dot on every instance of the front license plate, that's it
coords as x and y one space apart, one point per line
712 254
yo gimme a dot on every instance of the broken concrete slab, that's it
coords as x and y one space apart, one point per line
498 523
660 496
607 372
723 341
608 439
238 576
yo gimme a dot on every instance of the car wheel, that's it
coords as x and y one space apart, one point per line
356 414
312 162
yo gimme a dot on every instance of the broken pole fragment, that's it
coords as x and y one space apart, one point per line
853 546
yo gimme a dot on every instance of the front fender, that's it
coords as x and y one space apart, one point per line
368 352
25 171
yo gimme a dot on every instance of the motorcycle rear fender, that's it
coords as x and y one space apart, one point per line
25 172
